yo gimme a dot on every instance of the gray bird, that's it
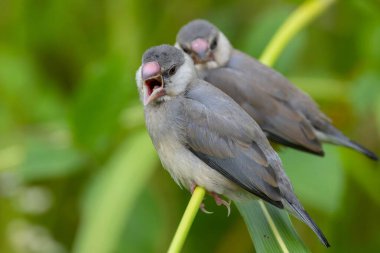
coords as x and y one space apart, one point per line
286 114
204 138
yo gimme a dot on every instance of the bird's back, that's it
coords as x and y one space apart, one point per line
275 84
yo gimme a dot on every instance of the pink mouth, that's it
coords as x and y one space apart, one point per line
153 89
153 83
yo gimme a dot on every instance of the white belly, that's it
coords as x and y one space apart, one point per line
184 167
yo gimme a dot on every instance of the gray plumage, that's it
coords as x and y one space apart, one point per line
286 114
204 138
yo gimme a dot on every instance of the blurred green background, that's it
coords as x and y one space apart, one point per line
77 170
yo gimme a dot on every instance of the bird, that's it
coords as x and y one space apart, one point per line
286 114
204 138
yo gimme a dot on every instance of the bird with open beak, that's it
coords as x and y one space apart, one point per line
286 114
204 138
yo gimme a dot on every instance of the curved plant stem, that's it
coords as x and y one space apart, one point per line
296 21
187 220
301 17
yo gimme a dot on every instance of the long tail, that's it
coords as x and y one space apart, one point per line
298 211
334 136
356 146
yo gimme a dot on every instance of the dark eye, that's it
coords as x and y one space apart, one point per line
172 70
214 43
186 50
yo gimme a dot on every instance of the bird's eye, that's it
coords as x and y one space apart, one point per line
172 70
186 50
214 43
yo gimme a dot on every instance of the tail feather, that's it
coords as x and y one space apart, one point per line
356 146
300 213
334 136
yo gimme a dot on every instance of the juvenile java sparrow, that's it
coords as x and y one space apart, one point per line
204 138
286 114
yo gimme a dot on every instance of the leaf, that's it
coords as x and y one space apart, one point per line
270 228
147 239
110 201
98 103
45 160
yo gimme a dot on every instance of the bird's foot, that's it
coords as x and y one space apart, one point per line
219 201
192 188
202 206
203 209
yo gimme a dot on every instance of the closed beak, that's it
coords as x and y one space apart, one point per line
201 48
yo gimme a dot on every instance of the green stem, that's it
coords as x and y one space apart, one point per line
299 19
187 220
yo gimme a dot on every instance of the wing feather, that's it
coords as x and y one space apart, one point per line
223 136
276 118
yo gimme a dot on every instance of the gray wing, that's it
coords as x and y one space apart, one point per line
282 124
279 87
223 136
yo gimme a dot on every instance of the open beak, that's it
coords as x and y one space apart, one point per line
153 86
201 51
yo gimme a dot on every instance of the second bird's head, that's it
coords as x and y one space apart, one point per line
206 45
165 73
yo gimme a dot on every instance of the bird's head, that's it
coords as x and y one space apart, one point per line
165 73
206 45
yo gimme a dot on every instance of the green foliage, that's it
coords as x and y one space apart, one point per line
69 109
97 103
270 228
45 160
326 171
111 199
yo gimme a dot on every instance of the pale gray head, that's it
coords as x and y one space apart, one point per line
204 43
165 72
